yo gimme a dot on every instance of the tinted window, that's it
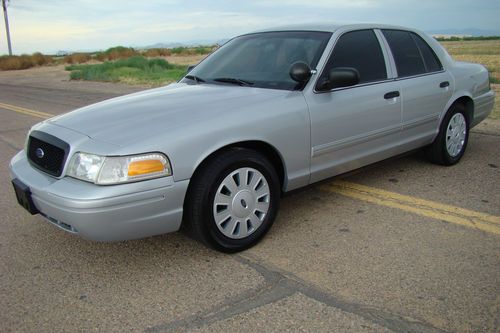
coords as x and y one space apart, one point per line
361 50
431 61
263 59
406 53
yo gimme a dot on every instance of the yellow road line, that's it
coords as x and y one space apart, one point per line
28 112
435 210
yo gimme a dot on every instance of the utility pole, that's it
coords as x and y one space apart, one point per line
4 5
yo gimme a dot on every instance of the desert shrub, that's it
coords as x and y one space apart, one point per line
117 52
24 61
14 63
204 49
183 50
39 59
77 58
156 52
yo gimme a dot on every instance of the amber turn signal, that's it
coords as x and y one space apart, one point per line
137 168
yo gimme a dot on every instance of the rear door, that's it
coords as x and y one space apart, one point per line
425 86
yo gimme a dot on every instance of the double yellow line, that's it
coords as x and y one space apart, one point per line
28 112
451 214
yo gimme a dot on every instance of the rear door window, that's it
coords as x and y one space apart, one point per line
406 54
413 56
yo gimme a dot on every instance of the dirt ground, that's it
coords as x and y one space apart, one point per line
185 60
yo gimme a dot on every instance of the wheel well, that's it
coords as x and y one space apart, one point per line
262 147
468 103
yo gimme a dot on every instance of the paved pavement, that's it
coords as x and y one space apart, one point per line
401 246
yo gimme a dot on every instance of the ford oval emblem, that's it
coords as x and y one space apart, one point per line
39 153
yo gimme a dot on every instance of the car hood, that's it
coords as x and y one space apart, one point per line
124 120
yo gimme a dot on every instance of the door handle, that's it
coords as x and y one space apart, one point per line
391 94
444 84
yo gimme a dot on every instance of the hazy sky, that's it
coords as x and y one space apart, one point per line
51 25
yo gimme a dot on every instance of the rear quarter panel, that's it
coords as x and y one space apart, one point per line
470 80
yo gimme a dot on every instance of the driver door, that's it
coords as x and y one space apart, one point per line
357 125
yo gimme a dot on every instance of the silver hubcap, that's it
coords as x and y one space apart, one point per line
455 134
241 203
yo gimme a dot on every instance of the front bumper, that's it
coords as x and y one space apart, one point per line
104 213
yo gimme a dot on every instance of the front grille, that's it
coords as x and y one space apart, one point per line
47 153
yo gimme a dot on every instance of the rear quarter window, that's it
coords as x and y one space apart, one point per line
431 61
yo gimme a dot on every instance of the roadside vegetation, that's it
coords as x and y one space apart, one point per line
495 114
456 39
115 53
133 70
24 61
127 65
77 58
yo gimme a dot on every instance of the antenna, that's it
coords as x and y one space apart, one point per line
4 5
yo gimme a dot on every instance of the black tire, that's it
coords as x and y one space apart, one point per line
437 152
199 221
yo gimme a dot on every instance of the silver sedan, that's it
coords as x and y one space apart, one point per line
268 112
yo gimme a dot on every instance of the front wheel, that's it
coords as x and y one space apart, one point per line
449 146
233 200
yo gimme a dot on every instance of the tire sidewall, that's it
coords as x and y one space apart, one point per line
448 159
217 238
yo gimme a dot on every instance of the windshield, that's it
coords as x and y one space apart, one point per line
261 60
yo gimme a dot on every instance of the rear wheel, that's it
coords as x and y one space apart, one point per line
233 200
451 142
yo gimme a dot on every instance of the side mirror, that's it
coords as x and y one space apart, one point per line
190 68
339 77
300 72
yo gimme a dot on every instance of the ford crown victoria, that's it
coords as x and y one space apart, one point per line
268 112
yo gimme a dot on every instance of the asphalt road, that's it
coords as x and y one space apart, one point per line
401 246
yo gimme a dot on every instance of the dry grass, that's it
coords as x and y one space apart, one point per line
495 114
24 61
154 53
185 60
115 53
39 59
486 53
77 58
179 55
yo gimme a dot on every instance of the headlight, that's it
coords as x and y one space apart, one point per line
107 170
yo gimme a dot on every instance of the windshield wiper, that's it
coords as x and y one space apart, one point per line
234 81
194 78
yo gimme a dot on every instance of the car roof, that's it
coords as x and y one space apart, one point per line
332 27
